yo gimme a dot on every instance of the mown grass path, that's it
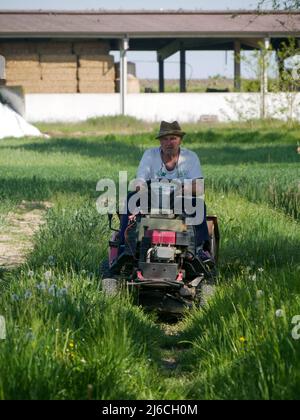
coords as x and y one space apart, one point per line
17 230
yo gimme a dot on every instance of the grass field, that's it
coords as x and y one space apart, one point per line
66 340
216 82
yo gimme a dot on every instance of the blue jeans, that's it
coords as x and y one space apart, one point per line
201 231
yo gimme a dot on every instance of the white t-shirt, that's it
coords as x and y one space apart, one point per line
152 167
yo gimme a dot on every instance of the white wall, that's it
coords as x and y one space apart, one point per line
185 107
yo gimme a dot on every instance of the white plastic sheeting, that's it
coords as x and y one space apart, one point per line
13 125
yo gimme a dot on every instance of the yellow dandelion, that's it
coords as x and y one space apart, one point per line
243 340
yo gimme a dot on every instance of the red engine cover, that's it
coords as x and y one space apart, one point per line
159 237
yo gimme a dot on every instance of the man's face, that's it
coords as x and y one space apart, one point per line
170 143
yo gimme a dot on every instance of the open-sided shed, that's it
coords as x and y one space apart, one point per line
165 32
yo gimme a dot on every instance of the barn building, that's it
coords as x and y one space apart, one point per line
68 52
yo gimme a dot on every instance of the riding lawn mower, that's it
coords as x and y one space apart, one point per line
158 260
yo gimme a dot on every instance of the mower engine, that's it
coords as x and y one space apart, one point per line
163 246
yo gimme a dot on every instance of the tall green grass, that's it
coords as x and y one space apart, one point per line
66 340
242 345
67 225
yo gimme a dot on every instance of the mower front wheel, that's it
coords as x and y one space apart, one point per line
110 287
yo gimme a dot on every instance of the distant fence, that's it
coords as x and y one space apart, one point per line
187 107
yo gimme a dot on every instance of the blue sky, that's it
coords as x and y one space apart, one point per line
128 4
199 64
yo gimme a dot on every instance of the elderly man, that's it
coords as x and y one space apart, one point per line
171 161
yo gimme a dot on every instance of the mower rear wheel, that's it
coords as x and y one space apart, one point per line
214 237
104 270
214 246
206 291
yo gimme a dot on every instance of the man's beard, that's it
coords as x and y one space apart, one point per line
170 152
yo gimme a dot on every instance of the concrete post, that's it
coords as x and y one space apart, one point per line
2 70
124 46
264 77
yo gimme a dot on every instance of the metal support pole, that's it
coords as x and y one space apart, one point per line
124 46
264 77
2 68
237 66
182 70
161 71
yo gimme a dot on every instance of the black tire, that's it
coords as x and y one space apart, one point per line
104 270
206 291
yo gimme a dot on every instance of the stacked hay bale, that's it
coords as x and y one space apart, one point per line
58 67
22 64
40 66
133 83
96 71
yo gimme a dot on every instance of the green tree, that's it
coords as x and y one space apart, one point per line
279 4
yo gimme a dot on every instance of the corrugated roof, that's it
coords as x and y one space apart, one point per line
147 23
